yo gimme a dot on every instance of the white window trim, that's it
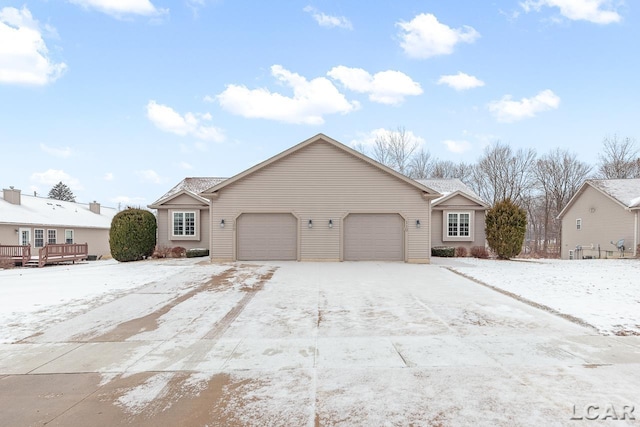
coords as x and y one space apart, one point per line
196 230
22 230
55 234
44 241
578 224
445 226
72 236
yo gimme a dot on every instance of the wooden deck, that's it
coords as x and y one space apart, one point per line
49 254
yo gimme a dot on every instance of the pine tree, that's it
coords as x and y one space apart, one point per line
62 192
505 227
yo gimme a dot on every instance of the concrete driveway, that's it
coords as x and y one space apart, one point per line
318 344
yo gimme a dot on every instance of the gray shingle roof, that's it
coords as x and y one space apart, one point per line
625 191
194 185
448 186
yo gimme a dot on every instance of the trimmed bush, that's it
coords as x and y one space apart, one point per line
479 252
506 225
133 235
194 253
443 251
461 251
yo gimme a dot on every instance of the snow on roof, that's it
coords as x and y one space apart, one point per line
34 210
448 186
626 191
194 185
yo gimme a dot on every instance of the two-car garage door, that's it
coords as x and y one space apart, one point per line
373 237
367 237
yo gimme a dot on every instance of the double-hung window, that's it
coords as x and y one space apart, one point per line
68 236
52 237
458 224
38 237
184 224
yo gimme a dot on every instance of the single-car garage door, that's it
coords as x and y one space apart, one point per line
267 237
374 237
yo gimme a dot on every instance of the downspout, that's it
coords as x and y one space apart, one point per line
635 235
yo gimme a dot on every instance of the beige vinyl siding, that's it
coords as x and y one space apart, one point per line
183 203
458 204
603 221
96 238
320 182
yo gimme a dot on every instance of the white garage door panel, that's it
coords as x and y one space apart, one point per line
267 237
374 237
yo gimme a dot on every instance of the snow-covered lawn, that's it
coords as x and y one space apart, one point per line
602 293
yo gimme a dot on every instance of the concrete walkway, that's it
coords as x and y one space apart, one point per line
318 344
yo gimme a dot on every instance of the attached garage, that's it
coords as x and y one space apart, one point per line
374 237
320 201
267 236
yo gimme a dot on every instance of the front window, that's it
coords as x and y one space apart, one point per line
52 237
68 236
38 238
458 224
184 223
579 224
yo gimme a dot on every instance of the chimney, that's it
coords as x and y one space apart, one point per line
11 195
94 207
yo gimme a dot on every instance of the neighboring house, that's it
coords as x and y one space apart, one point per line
602 212
183 215
36 221
458 216
320 201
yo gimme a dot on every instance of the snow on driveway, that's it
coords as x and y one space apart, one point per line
185 342
603 293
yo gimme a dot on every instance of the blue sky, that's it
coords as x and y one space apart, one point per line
121 99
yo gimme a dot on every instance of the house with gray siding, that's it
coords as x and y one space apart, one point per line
600 218
38 221
320 201
458 216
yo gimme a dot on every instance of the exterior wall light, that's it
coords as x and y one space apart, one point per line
310 224
330 223
222 223
417 223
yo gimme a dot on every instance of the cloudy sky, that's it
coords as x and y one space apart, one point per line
121 99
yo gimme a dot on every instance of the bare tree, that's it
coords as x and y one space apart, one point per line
420 165
619 159
503 174
394 149
559 174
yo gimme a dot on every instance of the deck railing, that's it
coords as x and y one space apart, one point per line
52 253
16 253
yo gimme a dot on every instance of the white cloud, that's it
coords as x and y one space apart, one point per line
119 8
24 57
108 176
328 20
53 176
457 147
460 81
424 36
368 140
167 119
596 11
57 152
150 175
386 87
507 110
310 102
185 165
128 201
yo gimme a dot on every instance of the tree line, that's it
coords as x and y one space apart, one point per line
540 184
